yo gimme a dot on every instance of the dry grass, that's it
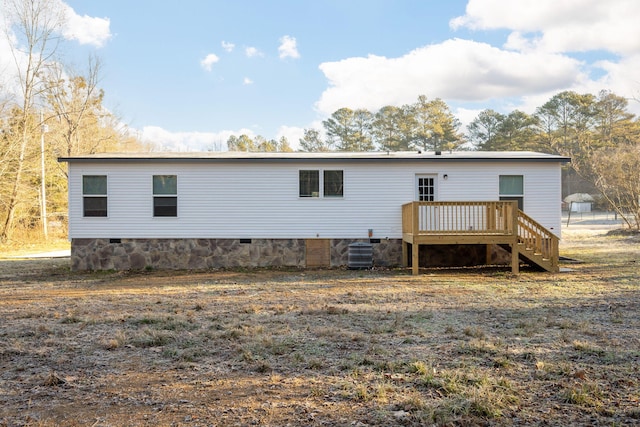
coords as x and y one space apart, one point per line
23 245
344 348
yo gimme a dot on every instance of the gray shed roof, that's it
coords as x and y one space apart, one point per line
579 198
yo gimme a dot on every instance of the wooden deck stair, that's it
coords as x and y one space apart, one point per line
529 255
494 222
536 244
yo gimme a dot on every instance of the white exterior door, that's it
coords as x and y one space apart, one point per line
426 188
428 216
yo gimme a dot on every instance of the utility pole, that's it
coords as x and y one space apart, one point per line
43 195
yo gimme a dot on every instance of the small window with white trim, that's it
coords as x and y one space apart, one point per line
165 195
94 195
512 188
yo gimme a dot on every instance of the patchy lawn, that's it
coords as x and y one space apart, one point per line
337 347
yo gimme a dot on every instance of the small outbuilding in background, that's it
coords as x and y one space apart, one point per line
579 202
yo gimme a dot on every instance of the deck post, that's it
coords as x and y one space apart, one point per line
405 253
415 246
515 252
515 258
555 254
415 258
491 216
415 219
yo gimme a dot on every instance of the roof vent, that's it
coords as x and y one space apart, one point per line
438 153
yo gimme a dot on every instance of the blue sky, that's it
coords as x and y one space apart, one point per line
186 75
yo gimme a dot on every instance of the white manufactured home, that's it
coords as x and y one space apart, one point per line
217 210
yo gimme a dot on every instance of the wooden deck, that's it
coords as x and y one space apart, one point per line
490 223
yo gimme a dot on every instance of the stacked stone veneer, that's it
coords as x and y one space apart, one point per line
201 254
196 254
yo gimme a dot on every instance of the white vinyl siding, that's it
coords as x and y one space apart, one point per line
261 200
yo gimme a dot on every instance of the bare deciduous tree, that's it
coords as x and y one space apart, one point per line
617 179
76 104
34 27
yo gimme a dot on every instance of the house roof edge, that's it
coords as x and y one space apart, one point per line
301 157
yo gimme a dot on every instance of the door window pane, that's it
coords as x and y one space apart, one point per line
426 189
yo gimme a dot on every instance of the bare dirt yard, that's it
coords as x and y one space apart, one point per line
325 347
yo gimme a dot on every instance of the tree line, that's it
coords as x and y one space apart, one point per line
424 125
598 132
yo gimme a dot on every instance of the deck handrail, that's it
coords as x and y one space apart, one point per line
538 238
483 217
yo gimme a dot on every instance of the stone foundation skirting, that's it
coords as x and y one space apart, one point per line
201 254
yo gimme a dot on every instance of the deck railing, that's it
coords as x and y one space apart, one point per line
537 238
495 218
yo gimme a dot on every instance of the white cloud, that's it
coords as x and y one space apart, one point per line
208 61
588 26
621 77
228 47
8 81
293 135
466 115
165 140
288 48
247 81
252 52
461 70
559 26
85 29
